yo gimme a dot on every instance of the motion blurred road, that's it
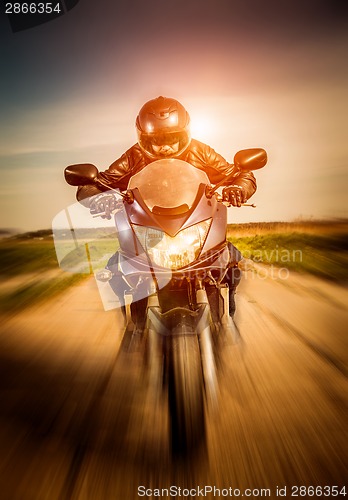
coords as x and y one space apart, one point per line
78 421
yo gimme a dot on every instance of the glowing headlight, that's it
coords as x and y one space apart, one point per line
173 252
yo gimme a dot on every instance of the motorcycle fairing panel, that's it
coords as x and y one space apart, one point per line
171 228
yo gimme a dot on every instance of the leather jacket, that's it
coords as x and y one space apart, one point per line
197 154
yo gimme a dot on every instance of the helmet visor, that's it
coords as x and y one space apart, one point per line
147 141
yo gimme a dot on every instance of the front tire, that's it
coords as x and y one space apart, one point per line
186 394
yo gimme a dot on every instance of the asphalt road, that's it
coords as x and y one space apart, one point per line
74 423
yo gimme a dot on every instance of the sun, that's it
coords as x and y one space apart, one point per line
202 127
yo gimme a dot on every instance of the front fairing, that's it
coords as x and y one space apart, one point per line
177 203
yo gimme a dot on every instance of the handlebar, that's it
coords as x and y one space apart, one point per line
129 198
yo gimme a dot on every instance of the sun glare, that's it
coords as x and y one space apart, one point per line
202 127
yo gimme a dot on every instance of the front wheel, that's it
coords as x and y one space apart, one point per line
186 394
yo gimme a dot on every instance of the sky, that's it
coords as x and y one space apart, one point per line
267 74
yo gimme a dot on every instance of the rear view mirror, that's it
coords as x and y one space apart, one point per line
250 159
80 174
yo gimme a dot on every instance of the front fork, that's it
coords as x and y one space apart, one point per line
158 332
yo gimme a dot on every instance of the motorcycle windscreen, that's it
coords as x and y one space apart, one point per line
168 184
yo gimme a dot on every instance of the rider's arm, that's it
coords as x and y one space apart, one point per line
217 168
115 177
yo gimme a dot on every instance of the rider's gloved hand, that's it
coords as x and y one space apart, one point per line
234 195
104 204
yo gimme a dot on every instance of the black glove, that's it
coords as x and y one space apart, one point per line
234 195
104 204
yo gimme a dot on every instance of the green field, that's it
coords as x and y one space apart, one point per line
318 248
30 272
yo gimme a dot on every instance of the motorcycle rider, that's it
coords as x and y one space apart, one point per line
163 132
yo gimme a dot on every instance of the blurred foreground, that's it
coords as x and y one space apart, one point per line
77 421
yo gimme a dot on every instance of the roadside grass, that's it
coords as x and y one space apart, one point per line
22 256
36 292
30 261
317 227
29 253
323 255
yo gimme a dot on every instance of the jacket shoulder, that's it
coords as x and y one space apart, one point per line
131 155
134 150
198 145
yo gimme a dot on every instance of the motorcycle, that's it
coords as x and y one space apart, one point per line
172 264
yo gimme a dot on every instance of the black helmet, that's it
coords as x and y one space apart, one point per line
163 128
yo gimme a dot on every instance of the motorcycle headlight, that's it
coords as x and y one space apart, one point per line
173 252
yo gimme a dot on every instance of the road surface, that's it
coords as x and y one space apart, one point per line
76 424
